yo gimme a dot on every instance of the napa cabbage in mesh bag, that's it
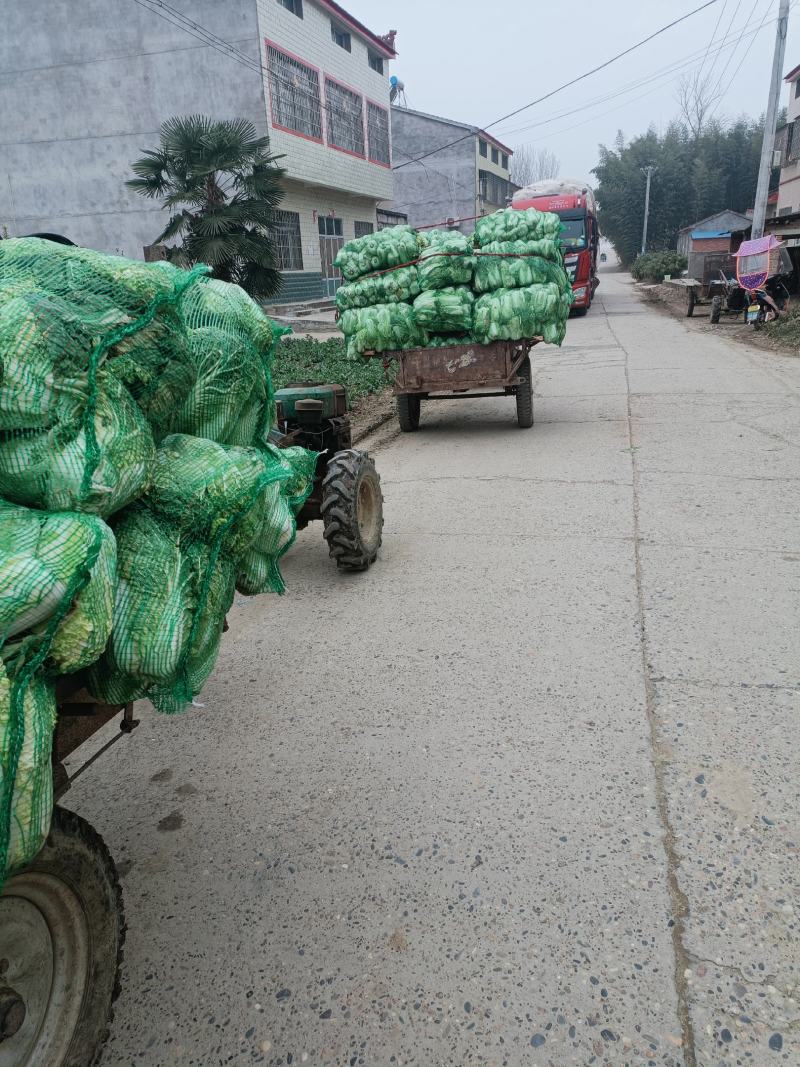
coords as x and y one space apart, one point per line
505 272
508 224
447 260
206 489
546 248
390 247
512 314
381 328
402 283
27 721
40 555
258 568
445 310
447 342
232 344
71 440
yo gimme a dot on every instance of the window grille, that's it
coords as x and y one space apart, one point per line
294 91
378 130
288 243
345 115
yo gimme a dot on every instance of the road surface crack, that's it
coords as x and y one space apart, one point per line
678 900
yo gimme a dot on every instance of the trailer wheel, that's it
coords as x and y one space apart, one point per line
352 509
408 410
61 937
524 395
716 308
691 300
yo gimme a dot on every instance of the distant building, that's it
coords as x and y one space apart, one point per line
783 218
86 87
460 180
712 234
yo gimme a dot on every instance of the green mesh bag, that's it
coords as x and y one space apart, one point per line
445 310
26 775
546 248
447 260
200 487
39 554
232 344
72 437
395 285
508 224
513 314
258 570
448 342
381 328
503 272
390 247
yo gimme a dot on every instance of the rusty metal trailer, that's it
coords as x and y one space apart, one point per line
61 918
465 371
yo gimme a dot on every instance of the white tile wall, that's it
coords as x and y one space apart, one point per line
309 39
306 199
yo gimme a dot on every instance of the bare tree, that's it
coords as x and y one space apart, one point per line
529 164
695 98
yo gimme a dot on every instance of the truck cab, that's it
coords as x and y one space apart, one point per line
575 206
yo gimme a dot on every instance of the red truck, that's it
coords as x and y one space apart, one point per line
574 203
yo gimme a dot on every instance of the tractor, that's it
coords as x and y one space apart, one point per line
347 489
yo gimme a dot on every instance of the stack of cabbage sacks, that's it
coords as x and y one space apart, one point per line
519 273
505 282
137 492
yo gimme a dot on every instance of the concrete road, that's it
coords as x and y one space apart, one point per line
526 793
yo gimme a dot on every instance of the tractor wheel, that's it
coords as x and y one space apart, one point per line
524 395
716 308
408 409
61 936
352 509
691 300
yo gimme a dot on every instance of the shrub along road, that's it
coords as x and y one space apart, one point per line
525 793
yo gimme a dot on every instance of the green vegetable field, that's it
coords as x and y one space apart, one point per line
305 359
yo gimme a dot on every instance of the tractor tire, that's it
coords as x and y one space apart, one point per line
408 410
352 509
524 395
716 309
691 300
61 932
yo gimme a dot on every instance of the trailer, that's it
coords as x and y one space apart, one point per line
461 372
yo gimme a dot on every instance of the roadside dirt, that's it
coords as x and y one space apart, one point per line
671 300
370 412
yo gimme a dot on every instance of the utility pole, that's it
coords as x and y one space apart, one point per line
768 143
648 170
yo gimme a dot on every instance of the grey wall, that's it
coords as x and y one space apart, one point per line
441 186
84 86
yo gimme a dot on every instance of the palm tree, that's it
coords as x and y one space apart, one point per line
221 187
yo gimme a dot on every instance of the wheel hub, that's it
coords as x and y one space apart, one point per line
44 939
367 511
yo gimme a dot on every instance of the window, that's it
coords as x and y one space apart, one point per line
483 147
361 229
493 189
376 62
797 88
495 156
345 114
294 92
341 37
295 6
288 244
504 161
378 130
330 227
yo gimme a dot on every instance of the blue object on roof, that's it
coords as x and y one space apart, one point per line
704 235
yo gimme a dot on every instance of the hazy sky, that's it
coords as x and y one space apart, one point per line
475 60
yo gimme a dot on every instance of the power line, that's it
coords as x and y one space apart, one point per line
711 38
677 65
738 67
566 85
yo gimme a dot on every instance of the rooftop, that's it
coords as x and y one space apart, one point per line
457 125
385 44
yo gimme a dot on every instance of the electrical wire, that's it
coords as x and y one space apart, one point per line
566 85
711 40
721 96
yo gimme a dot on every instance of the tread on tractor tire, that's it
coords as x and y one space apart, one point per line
691 300
408 410
523 393
62 930
716 308
352 509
